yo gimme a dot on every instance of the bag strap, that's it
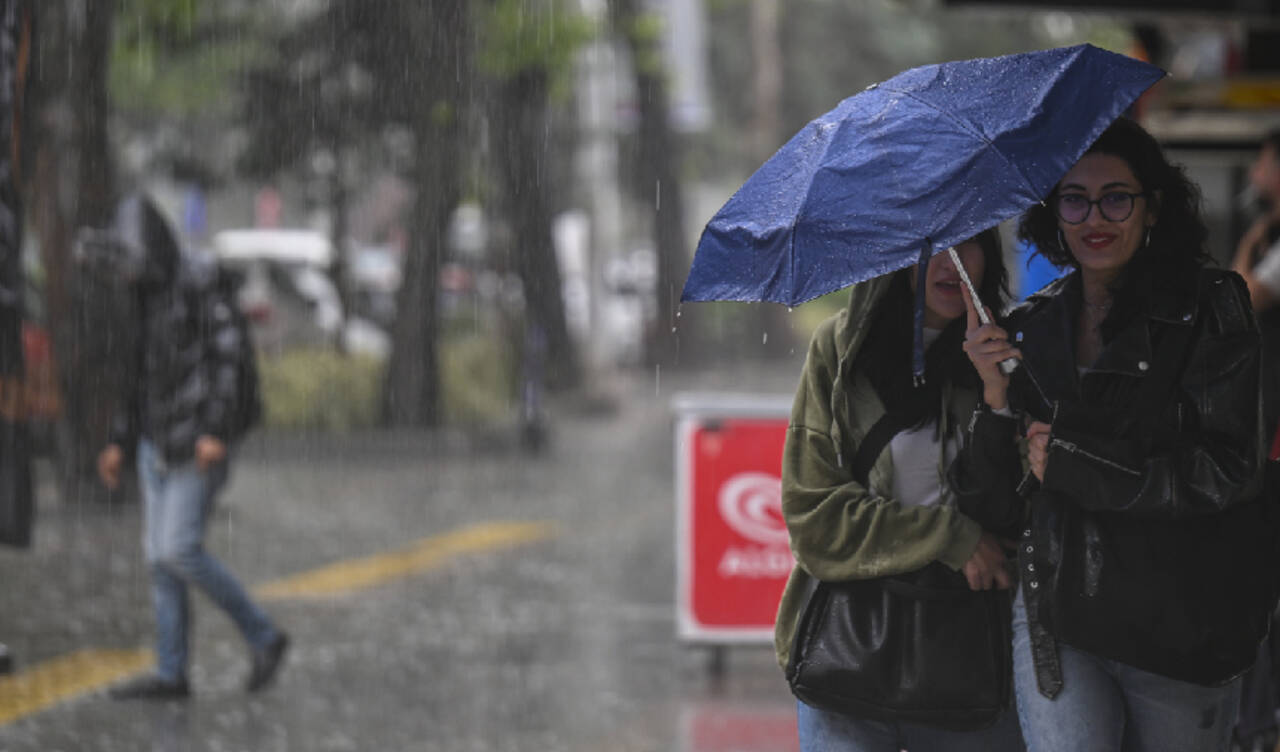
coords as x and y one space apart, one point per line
881 433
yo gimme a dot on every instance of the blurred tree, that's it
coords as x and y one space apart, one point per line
17 501
335 84
434 88
72 185
527 51
341 80
655 177
174 79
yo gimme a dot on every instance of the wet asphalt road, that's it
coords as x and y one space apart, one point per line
562 643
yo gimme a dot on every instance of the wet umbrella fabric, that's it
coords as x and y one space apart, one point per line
908 167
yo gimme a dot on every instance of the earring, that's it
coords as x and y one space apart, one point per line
1062 241
1147 241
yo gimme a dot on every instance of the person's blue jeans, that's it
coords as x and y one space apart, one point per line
824 731
1108 706
177 502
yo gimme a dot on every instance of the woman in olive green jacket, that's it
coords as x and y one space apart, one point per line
858 368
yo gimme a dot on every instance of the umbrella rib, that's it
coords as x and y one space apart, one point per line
977 134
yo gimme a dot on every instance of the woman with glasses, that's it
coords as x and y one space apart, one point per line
1124 448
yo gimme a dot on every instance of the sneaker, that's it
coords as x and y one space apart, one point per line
266 663
151 687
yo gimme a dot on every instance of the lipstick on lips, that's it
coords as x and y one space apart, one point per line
949 284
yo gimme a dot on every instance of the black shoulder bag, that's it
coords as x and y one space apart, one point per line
918 648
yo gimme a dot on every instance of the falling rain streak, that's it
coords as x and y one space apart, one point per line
466 353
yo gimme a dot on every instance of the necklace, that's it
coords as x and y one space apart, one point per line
1102 307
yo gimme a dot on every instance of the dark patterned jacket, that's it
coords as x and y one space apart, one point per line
193 368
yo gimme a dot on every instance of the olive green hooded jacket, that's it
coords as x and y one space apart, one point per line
840 529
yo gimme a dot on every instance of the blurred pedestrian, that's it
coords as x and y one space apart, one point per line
192 395
1257 260
1141 561
895 515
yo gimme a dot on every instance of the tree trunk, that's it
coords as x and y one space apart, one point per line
775 336
658 184
767 80
339 266
521 118
411 393
73 186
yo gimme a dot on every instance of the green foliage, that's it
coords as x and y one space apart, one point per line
476 380
143 23
806 318
313 389
519 36
181 58
320 389
646 34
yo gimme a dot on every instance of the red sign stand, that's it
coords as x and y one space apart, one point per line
732 556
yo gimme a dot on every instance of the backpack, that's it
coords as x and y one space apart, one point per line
247 412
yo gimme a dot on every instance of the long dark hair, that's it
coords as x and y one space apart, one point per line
1177 242
885 356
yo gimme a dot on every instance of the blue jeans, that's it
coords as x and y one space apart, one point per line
1108 706
177 502
824 731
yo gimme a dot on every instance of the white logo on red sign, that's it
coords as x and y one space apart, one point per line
751 504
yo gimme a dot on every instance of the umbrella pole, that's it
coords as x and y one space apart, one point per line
1007 365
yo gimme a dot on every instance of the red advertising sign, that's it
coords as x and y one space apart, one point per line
732 553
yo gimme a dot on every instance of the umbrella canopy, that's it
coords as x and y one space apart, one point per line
925 160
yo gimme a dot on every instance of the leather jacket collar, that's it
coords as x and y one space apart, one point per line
1047 320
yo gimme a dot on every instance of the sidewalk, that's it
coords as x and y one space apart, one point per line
464 640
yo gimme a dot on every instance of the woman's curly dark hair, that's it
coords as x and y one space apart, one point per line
1179 234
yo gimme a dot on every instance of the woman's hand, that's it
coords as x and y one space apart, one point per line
987 345
1038 448
987 567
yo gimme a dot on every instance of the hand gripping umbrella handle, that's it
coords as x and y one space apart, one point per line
1008 365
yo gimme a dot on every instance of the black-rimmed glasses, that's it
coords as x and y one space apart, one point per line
1115 206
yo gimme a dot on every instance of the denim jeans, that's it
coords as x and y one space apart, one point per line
1108 706
177 502
824 731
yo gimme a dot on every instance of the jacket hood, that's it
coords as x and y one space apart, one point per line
150 251
850 333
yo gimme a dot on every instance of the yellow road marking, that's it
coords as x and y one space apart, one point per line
65 677
59 679
354 574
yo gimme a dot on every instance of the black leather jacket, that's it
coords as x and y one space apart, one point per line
1201 455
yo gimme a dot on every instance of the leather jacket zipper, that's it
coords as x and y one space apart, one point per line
1074 448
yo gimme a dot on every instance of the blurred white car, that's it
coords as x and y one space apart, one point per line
287 293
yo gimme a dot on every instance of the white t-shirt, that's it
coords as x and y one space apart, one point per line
919 466
920 460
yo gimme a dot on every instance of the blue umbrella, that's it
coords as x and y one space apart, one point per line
908 167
